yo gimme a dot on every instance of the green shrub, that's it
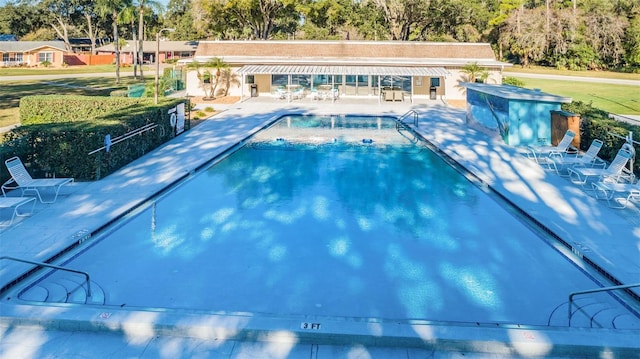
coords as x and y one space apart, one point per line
201 114
62 148
513 81
596 124
60 108
209 109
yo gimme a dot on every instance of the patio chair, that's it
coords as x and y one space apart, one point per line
626 192
15 203
315 95
20 178
589 159
542 153
613 173
298 94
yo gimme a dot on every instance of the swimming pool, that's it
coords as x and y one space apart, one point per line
349 219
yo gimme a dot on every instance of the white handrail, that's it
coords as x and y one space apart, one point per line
42 264
137 131
603 289
410 112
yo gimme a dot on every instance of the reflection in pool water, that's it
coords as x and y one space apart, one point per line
309 220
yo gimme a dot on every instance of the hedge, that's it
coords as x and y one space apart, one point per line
44 109
596 124
61 149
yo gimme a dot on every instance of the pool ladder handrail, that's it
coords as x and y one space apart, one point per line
42 264
588 291
407 114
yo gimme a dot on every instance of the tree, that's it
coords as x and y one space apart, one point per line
215 67
525 35
475 72
114 7
91 24
128 16
144 6
401 15
369 22
325 17
264 17
604 32
632 42
63 14
229 78
197 66
180 15
21 19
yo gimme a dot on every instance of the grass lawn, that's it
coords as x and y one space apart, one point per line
618 99
93 69
12 91
551 71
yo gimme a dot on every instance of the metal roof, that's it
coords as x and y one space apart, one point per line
27 46
516 93
342 70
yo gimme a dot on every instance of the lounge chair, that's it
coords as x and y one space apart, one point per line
20 178
589 159
541 153
629 191
612 173
15 203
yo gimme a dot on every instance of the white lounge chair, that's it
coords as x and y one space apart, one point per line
541 153
625 192
613 173
588 159
20 178
15 203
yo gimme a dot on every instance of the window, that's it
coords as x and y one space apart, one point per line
11 57
45 56
251 79
279 80
435 82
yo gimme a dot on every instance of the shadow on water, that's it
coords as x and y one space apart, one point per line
391 235
347 229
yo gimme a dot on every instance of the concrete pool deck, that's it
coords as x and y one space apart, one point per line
608 237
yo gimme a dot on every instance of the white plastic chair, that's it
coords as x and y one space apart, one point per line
542 153
628 191
15 203
613 173
589 159
21 179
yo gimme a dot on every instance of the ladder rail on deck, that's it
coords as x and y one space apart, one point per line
407 114
42 264
596 290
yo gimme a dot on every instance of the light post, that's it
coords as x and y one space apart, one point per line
155 93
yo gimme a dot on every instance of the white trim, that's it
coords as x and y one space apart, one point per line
342 70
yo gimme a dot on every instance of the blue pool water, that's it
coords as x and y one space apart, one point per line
331 216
